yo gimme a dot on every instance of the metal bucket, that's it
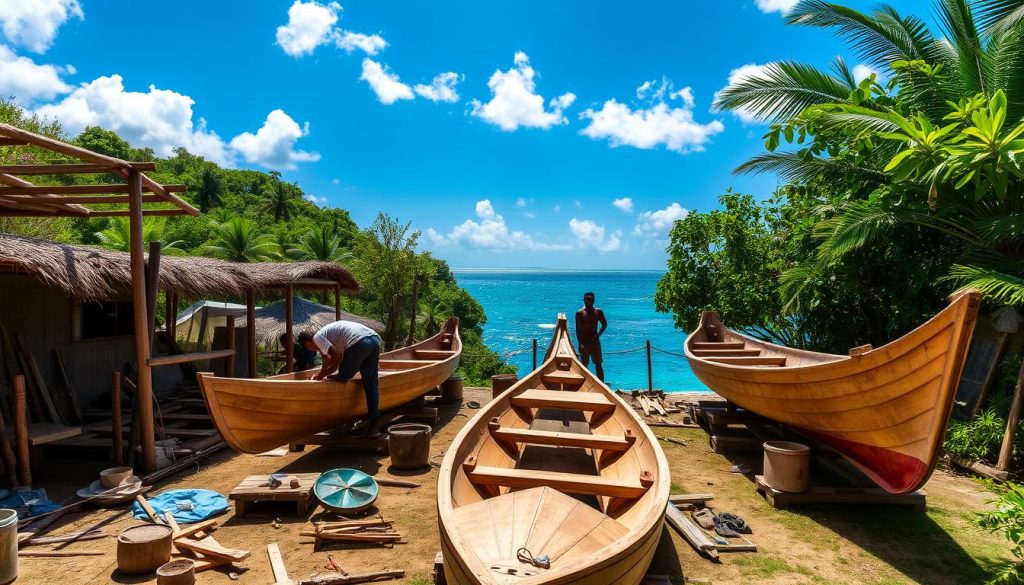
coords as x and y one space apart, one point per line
409 444
8 545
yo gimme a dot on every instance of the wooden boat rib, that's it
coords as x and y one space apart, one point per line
256 415
884 409
558 466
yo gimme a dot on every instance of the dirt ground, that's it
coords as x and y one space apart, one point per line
824 544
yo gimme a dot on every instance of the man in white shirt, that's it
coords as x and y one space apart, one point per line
348 347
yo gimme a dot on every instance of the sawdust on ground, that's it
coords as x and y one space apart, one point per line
814 545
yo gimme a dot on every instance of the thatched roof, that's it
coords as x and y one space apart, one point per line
94 274
306 314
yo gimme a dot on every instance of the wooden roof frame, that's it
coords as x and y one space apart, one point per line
20 197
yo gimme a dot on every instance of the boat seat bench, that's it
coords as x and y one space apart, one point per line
750 361
558 439
718 345
567 378
433 354
585 401
572 483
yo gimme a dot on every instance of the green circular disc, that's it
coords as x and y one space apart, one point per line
345 490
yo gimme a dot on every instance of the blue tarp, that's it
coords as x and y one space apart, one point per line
187 506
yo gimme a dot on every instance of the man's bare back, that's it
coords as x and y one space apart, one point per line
588 334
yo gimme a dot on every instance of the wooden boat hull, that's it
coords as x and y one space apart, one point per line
591 537
885 410
256 415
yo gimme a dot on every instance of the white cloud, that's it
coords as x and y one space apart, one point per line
441 89
335 181
748 71
33 24
624 204
589 235
160 119
862 71
515 103
521 202
657 124
489 232
369 44
385 84
28 81
310 24
781 6
273 145
529 215
657 223
321 201
556 208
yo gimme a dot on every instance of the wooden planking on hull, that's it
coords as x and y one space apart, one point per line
885 409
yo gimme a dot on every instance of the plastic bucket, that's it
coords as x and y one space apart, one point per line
8 545
409 444
786 466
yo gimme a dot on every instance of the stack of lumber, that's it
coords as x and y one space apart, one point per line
697 537
375 530
194 541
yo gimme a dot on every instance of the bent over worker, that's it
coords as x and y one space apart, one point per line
348 347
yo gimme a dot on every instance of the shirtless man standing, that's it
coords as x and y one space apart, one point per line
588 337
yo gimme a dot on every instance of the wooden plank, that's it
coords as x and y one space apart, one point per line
46 433
21 432
690 532
74 411
690 498
68 169
148 509
213 550
404 364
566 482
726 352
562 378
750 361
718 345
534 437
41 391
170 360
277 565
191 529
586 401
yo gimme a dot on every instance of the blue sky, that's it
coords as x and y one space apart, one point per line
513 134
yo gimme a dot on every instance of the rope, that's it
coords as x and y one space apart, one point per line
541 562
668 352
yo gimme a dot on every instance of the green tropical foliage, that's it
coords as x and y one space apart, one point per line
240 240
207 187
1008 519
117 234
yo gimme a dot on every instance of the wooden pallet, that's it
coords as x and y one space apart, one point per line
832 495
256 488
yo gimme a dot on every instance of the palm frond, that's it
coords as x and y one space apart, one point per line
851 117
1000 227
879 38
1006 68
782 90
793 167
967 49
857 224
999 15
998 286
794 282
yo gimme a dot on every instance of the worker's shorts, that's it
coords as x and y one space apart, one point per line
591 351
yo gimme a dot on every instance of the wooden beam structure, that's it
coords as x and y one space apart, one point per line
289 342
144 395
68 168
250 330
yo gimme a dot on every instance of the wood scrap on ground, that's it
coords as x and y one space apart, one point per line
378 531
340 579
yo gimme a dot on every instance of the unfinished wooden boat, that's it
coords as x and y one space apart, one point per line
557 466
254 415
884 409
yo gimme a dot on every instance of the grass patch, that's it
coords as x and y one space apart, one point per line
767 566
420 580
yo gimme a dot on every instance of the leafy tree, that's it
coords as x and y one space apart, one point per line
386 264
105 142
207 187
240 240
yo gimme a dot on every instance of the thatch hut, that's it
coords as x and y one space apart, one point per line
306 314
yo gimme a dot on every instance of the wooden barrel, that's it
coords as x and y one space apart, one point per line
142 549
177 572
451 389
409 444
786 466
502 382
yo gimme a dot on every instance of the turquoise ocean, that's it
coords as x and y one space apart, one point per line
521 305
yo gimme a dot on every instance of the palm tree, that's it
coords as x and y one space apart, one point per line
208 188
117 235
280 198
432 315
942 136
322 243
240 240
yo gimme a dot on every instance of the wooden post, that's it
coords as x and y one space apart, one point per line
337 301
152 288
117 441
650 374
289 345
229 362
1006 452
141 321
21 432
534 353
250 329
